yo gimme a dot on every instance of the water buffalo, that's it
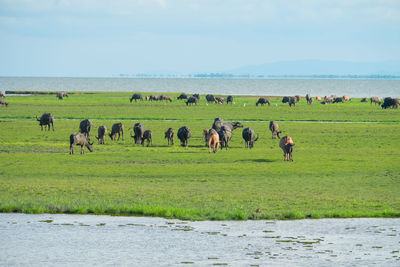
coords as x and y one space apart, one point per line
309 99
210 99
46 119
389 102
225 135
229 99
80 140
212 140
196 96
274 128
182 96
60 95
85 127
298 98
2 94
184 134
169 134
138 129
289 99
154 97
164 97
364 99
249 137
218 123
192 100
263 101
148 136
3 102
117 128
101 132
338 100
287 146
219 100
136 97
346 98
376 100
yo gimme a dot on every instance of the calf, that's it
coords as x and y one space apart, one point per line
148 136
101 132
169 134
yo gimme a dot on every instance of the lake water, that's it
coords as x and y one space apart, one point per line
322 87
86 240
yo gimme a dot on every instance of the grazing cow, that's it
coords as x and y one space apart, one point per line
376 100
298 98
61 95
338 100
289 99
2 94
184 134
263 101
169 134
138 129
165 97
210 99
225 135
196 96
309 99
212 140
182 96
80 140
318 98
364 99
46 119
389 102
218 123
229 99
249 137
3 102
85 127
117 128
136 97
219 100
274 128
346 98
287 146
154 97
192 100
101 132
148 136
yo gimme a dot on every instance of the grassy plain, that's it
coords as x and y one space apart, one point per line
348 168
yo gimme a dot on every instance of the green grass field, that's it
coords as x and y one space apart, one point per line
346 160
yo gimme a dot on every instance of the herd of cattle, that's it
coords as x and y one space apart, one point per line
218 136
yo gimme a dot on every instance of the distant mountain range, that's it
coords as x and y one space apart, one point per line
320 68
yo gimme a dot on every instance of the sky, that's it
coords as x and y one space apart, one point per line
106 38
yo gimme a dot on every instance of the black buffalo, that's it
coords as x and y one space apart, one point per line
46 119
184 134
263 100
138 129
249 137
85 127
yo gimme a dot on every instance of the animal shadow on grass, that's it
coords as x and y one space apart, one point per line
257 160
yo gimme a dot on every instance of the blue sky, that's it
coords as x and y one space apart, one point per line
104 38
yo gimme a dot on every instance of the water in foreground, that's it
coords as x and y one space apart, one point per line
43 240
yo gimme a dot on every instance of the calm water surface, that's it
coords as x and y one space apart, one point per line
82 240
351 87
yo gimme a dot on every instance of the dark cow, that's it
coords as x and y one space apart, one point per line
338 100
136 97
80 140
218 123
249 137
274 128
164 97
46 119
364 99
309 99
184 134
263 101
210 99
148 136
182 96
389 102
289 99
229 99
85 127
101 132
154 97
117 128
192 100
169 134
3 102
196 96
225 135
138 129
